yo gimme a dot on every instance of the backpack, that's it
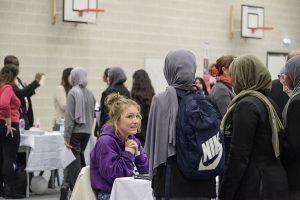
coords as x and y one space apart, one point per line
199 143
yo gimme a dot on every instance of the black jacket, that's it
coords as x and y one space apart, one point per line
252 172
142 134
291 150
278 95
26 92
120 88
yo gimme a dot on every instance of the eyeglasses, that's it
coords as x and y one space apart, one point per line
281 78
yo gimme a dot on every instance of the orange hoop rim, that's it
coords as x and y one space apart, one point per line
261 28
81 11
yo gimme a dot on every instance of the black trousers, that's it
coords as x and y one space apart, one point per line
8 151
78 142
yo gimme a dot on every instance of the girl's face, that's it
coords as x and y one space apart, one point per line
225 71
129 121
199 84
288 85
70 81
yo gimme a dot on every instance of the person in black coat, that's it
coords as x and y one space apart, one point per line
291 115
253 169
277 93
24 92
142 92
98 109
116 79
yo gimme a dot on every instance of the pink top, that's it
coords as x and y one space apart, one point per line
9 103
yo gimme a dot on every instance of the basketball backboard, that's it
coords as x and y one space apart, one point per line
72 11
252 18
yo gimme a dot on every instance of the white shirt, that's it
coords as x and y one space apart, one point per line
60 100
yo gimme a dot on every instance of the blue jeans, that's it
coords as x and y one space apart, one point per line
103 196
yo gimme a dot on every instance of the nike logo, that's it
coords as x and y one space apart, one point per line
211 148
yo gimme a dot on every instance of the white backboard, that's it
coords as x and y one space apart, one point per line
252 17
72 7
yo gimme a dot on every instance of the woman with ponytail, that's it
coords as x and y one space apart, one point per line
117 153
221 93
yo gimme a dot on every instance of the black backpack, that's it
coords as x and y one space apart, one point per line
199 143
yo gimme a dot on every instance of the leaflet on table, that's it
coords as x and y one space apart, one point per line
66 156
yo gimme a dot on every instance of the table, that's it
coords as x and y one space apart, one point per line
129 188
43 152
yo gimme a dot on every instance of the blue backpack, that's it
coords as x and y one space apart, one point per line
199 143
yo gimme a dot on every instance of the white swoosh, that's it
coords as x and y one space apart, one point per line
214 164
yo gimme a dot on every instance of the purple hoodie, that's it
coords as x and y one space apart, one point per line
109 160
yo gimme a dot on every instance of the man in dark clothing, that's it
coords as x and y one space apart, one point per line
24 92
277 94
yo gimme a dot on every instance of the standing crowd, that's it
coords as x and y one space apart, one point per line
254 149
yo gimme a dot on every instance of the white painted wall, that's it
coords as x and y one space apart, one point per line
129 31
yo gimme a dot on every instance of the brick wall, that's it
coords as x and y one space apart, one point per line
126 33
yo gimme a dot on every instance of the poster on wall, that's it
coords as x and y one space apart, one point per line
154 68
275 61
205 66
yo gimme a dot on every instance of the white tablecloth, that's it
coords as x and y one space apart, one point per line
45 150
129 188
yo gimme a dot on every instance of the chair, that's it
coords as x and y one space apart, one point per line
83 188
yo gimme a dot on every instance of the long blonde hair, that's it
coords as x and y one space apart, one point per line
117 104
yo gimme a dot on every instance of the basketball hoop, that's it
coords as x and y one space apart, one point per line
261 28
80 12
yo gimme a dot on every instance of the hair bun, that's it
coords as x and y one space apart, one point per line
113 98
213 71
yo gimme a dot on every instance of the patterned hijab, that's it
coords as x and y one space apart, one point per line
251 78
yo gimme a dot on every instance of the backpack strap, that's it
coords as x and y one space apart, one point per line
182 93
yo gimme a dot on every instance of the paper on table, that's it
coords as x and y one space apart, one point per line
66 156
27 140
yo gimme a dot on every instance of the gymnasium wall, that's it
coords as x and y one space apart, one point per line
128 32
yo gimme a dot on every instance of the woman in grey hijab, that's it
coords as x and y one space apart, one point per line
179 71
79 119
291 115
116 80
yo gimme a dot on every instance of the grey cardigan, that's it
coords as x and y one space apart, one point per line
221 95
70 125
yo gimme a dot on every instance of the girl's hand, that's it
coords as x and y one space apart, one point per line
132 144
10 130
67 144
